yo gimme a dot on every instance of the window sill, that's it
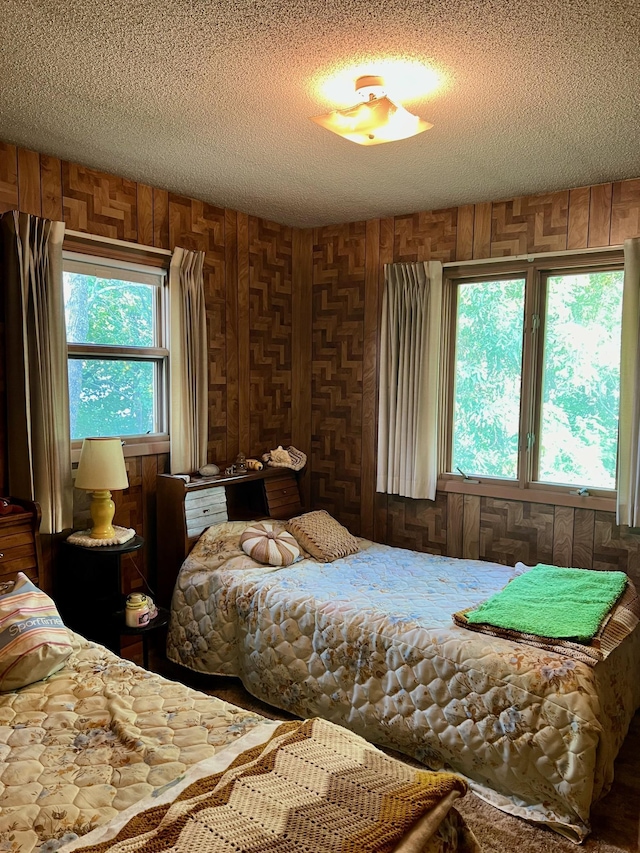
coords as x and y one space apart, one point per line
532 495
135 446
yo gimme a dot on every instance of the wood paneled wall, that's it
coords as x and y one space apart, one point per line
249 304
342 335
293 321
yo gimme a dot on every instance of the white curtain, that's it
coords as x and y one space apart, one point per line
628 509
189 420
409 371
39 465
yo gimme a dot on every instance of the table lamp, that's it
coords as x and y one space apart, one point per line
100 469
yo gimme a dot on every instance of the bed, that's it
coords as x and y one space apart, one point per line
101 754
368 642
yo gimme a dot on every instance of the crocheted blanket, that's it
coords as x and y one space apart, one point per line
312 787
620 622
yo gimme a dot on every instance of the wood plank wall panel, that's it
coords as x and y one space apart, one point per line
8 177
198 226
270 323
51 181
301 354
504 531
336 381
111 206
29 192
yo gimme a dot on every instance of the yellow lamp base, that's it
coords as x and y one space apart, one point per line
102 511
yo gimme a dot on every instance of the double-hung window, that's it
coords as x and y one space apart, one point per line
533 373
117 348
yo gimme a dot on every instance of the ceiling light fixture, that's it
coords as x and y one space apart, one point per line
377 119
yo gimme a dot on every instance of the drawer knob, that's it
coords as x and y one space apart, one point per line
1 556
205 510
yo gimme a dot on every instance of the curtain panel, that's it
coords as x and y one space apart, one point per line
628 508
189 407
39 464
409 377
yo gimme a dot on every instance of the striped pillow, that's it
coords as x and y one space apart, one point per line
266 545
34 642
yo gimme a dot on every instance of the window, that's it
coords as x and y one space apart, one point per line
534 373
115 315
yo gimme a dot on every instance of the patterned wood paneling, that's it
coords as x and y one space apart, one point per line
625 211
8 177
199 226
338 337
370 377
531 224
514 530
270 328
244 391
231 273
418 524
98 203
426 236
301 349
614 548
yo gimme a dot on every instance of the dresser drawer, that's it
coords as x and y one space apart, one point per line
17 547
283 497
204 508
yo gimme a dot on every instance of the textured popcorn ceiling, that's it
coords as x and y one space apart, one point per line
212 99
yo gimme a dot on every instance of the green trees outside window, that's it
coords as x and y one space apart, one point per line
113 395
573 377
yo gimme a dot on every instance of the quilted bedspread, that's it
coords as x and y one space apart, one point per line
96 738
368 642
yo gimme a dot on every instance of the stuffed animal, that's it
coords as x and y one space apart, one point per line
254 465
289 458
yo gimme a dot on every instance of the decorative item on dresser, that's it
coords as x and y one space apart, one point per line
20 540
185 510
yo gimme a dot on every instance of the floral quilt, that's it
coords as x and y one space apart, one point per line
368 642
96 738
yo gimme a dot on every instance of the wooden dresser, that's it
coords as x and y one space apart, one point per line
185 510
20 542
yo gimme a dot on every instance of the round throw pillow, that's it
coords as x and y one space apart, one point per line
266 545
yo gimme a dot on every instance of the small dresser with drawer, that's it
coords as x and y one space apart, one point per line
185 510
20 542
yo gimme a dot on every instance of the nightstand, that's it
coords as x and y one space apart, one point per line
160 621
89 590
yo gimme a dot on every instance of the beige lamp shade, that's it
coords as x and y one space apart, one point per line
101 465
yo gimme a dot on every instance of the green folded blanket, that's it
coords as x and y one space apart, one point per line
553 602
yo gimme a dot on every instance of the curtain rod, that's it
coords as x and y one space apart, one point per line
533 256
111 241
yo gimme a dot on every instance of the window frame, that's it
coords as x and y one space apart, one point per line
536 271
137 270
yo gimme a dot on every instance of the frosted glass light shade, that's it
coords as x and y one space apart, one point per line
101 465
373 122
